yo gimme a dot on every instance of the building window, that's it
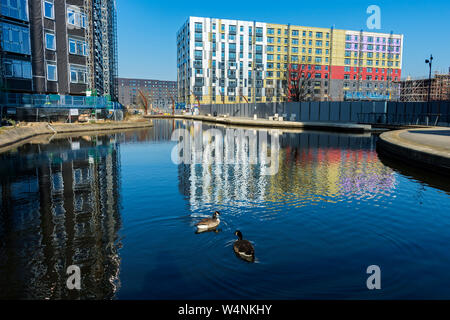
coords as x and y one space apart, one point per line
17 69
15 39
77 74
50 41
76 18
49 10
77 46
51 72
15 9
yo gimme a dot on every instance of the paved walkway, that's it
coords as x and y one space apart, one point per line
329 126
428 148
13 136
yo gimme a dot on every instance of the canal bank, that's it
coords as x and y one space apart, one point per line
325 126
12 136
427 148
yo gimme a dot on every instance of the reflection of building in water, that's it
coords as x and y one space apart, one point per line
314 165
161 131
330 165
211 181
60 207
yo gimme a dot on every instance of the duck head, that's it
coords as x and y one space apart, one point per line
238 234
216 214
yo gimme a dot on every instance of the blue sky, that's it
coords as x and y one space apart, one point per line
147 29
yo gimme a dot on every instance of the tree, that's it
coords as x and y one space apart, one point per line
298 90
295 87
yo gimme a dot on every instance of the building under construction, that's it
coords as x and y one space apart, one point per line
416 90
73 47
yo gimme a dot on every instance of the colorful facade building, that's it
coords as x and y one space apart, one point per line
233 61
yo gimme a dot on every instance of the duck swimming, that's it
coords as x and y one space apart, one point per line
243 248
209 223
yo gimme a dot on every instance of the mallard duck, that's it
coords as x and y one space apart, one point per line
209 223
243 248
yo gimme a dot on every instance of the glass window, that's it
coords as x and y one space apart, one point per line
15 9
49 11
15 38
70 16
77 74
51 72
50 42
72 46
76 18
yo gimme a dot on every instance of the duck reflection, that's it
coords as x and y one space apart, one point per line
214 230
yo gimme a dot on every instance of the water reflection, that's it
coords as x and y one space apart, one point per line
314 166
332 208
60 207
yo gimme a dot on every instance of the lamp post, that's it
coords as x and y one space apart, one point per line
429 62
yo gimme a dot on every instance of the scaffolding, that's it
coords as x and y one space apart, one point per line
105 47
416 90
90 44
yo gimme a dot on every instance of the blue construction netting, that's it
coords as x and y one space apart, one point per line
57 101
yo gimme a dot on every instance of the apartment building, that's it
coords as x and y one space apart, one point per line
72 45
15 49
159 93
228 61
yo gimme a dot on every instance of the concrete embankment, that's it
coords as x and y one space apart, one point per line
328 126
11 136
425 148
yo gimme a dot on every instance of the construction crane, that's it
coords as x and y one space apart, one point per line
145 101
173 105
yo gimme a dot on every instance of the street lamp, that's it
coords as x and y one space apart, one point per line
429 62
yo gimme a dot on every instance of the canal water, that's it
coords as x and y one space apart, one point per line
120 209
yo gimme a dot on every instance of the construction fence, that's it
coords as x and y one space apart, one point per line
37 107
434 113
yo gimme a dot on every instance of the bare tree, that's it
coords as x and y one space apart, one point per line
295 89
